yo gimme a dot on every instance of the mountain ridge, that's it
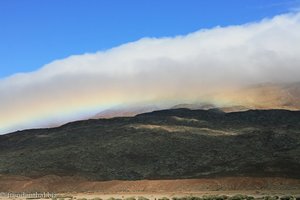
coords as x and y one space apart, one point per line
165 144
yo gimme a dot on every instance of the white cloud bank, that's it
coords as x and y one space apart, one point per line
173 69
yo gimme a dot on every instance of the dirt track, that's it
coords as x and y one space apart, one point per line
76 184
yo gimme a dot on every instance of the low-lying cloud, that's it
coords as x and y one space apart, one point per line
153 70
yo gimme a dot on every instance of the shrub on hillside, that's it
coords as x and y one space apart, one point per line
163 198
241 197
142 198
270 197
112 198
286 198
215 197
130 198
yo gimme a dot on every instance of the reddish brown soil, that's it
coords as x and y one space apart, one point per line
53 183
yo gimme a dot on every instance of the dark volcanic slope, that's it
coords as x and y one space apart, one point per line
168 144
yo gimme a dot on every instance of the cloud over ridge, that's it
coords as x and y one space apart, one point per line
158 70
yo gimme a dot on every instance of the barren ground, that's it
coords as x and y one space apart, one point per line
152 189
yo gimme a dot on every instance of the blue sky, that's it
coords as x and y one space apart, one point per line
34 32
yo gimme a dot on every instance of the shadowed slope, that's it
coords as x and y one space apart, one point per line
167 144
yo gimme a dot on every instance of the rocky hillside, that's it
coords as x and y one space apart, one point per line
167 144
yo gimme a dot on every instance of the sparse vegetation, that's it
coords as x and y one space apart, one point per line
271 197
204 197
286 198
142 198
257 133
215 197
32 198
235 197
62 197
112 198
193 198
241 197
163 198
130 198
